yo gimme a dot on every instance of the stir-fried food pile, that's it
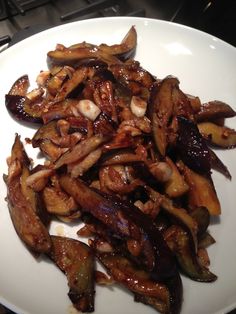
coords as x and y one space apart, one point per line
128 157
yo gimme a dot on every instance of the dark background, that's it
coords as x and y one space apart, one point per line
217 17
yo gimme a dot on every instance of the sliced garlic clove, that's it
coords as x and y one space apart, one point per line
138 106
88 109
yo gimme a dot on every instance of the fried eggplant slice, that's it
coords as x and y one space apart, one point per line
167 101
85 51
26 190
79 168
136 280
191 146
27 224
65 109
20 108
161 109
202 216
24 106
176 185
201 191
114 179
31 191
178 242
213 110
58 202
58 136
125 49
175 288
121 157
81 150
18 153
81 74
45 139
103 124
218 165
127 222
104 99
20 86
39 178
76 56
76 260
69 56
194 102
205 240
55 81
132 72
180 215
142 170
161 170
216 135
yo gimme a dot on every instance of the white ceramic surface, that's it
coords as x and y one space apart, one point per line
205 66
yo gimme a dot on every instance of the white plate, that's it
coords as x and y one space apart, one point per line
205 66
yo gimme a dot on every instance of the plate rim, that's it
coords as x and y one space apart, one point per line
95 20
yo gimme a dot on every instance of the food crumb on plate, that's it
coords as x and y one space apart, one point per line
60 230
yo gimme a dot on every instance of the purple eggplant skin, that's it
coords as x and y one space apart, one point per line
20 86
164 263
179 241
213 110
22 204
76 260
202 217
126 221
218 165
127 273
191 146
175 287
15 106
